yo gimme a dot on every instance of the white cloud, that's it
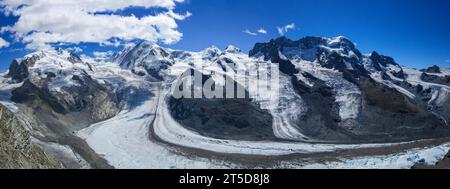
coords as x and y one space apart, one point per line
102 54
283 30
99 56
130 44
75 49
262 31
247 31
44 22
3 43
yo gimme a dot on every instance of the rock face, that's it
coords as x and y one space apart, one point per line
444 80
16 149
374 108
387 65
18 69
321 119
433 69
56 81
236 119
89 97
387 111
223 118
271 52
59 96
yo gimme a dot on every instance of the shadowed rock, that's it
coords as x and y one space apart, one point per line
432 69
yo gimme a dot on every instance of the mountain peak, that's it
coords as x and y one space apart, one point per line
374 53
146 45
341 41
381 59
212 48
211 52
433 69
232 49
281 41
339 44
340 38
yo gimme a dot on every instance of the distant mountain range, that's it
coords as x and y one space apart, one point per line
119 112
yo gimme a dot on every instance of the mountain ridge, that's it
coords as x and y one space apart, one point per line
331 94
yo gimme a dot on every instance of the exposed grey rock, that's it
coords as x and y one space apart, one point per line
321 120
223 118
388 114
385 115
271 50
444 80
432 69
379 62
74 58
18 70
17 151
237 119
88 96
81 94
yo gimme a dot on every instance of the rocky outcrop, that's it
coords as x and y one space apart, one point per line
61 81
321 120
57 97
389 115
432 69
18 70
384 115
329 53
236 119
74 58
382 63
88 96
271 52
16 147
444 80
223 118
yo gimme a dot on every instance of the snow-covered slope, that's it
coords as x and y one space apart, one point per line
331 98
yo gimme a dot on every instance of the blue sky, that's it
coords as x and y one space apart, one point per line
415 32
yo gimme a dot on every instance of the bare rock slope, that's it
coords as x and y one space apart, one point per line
16 147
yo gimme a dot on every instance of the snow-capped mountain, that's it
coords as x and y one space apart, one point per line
61 80
145 59
121 113
359 96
